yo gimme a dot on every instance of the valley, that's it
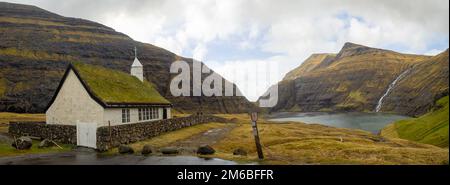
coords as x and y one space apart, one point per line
292 143
361 105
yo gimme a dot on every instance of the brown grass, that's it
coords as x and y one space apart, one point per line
298 143
6 117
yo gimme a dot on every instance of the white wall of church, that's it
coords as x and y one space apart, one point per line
73 104
114 116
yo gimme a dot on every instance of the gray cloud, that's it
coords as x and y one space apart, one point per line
292 28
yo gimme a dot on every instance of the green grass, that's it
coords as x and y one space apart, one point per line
7 150
118 87
357 96
431 128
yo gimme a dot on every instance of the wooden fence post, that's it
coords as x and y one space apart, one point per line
254 117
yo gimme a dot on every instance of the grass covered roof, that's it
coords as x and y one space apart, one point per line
116 87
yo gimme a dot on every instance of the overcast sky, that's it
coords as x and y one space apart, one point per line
230 33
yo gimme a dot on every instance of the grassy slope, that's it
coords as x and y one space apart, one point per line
117 87
431 128
308 65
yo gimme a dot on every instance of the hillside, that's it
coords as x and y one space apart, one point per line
356 78
37 45
314 62
416 93
431 128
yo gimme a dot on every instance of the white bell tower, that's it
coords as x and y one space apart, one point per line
137 69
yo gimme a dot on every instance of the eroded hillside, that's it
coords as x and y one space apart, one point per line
37 45
356 78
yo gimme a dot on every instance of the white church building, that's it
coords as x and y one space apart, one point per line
99 96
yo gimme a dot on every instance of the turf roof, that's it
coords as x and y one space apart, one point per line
116 87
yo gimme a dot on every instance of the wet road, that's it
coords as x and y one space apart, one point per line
92 158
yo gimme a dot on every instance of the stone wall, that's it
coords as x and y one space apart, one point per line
108 137
59 133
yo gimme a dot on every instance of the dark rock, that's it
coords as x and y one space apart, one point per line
240 151
46 143
124 149
234 120
169 150
22 143
205 150
147 149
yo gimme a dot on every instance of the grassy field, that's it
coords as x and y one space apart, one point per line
298 143
6 117
431 128
290 143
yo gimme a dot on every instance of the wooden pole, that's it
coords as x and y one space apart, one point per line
110 134
56 144
254 117
15 141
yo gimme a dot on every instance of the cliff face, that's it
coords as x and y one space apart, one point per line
36 46
356 78
425 83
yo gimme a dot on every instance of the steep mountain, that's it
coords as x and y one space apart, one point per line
314 62
354 80
424 83
37 45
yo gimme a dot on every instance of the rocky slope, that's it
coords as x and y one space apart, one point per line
424 84
36 46
356 78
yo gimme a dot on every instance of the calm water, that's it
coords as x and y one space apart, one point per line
372 122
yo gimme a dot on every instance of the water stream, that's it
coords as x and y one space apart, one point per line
390 88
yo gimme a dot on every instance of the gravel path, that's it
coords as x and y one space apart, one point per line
209 137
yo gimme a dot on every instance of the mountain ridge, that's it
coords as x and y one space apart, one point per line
36 46
353 80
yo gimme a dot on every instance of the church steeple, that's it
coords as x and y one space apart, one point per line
137 69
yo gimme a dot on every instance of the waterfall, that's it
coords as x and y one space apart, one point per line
391 86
